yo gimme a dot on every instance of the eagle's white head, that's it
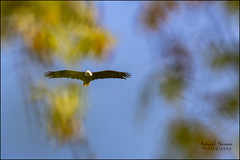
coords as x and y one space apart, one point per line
88 73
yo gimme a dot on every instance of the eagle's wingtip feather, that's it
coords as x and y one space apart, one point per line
48 74
127 75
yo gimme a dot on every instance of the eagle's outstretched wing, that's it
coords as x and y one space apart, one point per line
65 74
110 74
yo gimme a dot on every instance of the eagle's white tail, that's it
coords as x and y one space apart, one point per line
86 84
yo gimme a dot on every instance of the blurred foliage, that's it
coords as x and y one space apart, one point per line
171 87
230 105
156 13
232 6
223 57
226 59
66 29
177 66
64 110
227 103
185 139
178 61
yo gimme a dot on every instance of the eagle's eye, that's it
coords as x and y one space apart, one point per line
88 73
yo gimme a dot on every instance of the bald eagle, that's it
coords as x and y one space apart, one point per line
87 76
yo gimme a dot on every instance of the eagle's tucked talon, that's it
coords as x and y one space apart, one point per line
87 76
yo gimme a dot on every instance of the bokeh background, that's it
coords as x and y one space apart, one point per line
184 89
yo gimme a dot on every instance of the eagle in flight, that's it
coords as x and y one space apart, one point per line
87 76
